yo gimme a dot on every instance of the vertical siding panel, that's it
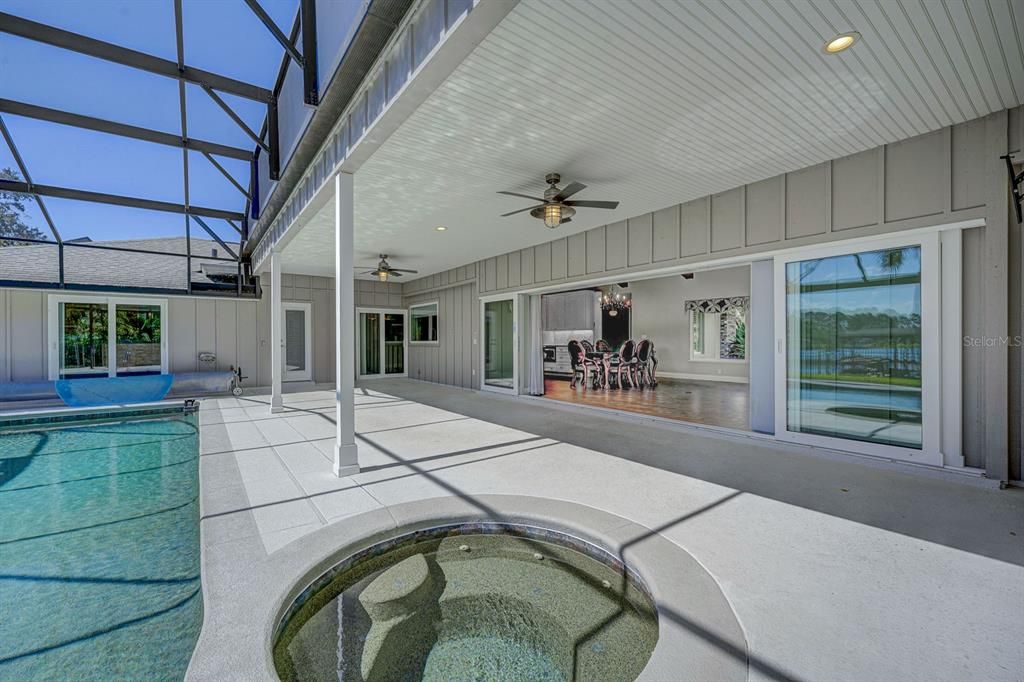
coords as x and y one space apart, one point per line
181 335
727 220
501 272
5 330
526 266
694 228
226 325
577 254
763 213
28 348
639 233
595 250
542 264
514 269
665 236
855 190
490 274
206 329
968 165
248 344
615 246
559 259
915 177
806 202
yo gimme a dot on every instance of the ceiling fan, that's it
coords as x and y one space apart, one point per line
555 208
384 271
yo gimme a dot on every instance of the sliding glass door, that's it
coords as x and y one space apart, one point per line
381 343
861 336
499 347
97 336
82 338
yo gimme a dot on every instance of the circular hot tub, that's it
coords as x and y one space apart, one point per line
479 601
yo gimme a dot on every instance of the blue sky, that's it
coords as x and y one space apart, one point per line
222 36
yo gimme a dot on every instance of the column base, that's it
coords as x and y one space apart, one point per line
346 459
276 404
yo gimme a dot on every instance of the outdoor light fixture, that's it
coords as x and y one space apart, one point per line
841 42
382 275
440 228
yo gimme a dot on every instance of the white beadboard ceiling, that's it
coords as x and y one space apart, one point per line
658 102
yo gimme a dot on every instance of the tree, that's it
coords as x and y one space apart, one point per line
12 214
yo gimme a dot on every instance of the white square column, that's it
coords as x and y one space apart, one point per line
346 453
276 342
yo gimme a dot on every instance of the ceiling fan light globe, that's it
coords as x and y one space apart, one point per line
553 215
382 275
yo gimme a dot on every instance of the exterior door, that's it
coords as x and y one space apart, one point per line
297 342
381 343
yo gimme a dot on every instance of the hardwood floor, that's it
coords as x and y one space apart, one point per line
715 403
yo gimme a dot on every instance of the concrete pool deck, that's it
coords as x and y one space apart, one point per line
835 569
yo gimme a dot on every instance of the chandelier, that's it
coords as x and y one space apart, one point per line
613 303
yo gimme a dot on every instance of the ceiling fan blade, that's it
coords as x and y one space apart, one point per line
570 189
394 273
403 270
593 204
565 220
528 208
524 196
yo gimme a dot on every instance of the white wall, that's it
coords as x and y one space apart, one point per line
658 314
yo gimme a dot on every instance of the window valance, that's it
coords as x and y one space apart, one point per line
719 305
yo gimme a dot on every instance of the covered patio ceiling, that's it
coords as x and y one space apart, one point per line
654 104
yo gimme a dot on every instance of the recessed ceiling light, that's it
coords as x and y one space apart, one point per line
440 228
841 42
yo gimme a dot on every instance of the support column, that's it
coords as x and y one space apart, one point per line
276 344
346 455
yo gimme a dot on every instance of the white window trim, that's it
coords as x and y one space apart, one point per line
718 348
931 328
436 328
405 342
53 328
306 374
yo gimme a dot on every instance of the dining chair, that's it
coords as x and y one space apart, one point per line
642 363
581 364
626 357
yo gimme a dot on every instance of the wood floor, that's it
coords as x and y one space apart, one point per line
715 403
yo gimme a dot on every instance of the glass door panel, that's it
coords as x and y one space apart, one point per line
83 340
499 340
138 339
297 343
394 343
369 344
853 347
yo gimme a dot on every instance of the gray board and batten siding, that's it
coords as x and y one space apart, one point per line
236 330
950 175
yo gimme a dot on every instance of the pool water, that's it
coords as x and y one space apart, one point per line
99 549
472 606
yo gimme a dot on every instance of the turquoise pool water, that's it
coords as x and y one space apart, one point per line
99 549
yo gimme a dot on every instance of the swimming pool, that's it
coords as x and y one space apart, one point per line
99 546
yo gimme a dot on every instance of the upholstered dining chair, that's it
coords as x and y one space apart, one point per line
642 363
581 364
624 365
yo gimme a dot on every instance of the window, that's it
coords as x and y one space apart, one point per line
96 336
423 321
718 329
